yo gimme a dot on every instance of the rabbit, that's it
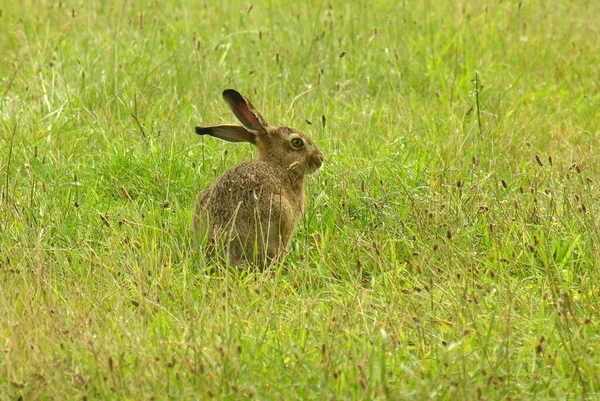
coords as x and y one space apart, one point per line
251 210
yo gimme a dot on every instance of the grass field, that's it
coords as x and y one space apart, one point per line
451 242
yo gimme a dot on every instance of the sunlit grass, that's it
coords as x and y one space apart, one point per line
450 244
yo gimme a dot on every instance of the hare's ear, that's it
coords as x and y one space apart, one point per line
229 133
245 112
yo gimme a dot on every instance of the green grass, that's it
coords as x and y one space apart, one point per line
450 245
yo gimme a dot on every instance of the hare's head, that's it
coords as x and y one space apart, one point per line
283 146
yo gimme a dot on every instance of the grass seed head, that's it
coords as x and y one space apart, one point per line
124 193
539 161
105 220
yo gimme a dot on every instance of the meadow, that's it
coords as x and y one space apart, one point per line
450 244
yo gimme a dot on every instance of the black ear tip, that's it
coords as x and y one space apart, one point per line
232 94
202 130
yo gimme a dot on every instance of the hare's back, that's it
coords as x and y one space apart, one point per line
246 185
248 177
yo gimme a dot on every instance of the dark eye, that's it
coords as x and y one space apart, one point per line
297 143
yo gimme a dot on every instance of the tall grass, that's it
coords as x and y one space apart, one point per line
450 244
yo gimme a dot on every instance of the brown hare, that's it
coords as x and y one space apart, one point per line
251 210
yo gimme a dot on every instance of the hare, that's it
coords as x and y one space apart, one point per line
251 210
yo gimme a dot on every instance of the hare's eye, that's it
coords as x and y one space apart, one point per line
297 143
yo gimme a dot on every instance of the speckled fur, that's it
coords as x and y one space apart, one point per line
251 210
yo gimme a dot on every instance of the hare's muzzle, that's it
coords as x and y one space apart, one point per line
316 162
321 159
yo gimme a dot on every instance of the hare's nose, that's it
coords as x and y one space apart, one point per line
321 158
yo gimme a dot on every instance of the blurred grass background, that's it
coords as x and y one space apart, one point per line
450 244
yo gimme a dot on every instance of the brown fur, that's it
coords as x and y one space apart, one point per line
251 210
